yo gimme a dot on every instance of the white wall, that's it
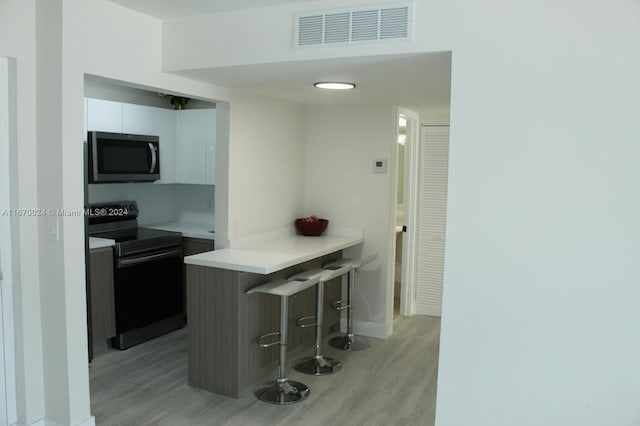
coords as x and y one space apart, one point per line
58 371
266 166
17 41
266 35
341 144
540 320
8 403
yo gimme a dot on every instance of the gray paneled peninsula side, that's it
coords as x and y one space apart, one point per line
224 322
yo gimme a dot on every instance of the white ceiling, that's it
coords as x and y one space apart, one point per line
165 9
415 81
411 81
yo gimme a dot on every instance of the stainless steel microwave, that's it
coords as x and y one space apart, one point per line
120 157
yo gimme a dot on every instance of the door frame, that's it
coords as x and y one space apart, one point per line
8 402
411 187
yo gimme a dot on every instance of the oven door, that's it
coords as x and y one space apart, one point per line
148 291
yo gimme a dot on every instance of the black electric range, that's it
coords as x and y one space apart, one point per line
147 273
118 221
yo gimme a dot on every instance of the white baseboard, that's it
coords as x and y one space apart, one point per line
91 421
429 310
380 330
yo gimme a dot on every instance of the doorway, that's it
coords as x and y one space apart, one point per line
405 212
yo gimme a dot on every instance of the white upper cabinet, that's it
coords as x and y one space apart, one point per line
196 146
187 137
211 146
137 119
164 125
104 116
146 120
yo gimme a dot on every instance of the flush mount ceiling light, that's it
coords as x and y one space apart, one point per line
334 85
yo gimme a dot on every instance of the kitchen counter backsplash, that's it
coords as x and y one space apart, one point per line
172 207
191 230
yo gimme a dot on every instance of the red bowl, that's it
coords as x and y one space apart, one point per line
311 229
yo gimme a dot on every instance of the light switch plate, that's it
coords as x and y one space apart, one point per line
379 166
54 227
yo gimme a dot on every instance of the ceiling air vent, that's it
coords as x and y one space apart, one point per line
352 26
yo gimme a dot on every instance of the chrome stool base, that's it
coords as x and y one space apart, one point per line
281 393
350 343
318 366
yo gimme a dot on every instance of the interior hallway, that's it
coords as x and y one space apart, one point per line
393 383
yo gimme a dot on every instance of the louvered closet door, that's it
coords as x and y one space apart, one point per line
434 163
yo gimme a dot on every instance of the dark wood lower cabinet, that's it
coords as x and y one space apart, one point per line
101 295
192 246
196 245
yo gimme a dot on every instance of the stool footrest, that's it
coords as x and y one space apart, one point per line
303 322
266 344
338 305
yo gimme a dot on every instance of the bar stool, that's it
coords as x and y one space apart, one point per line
282 391
350 341
318 365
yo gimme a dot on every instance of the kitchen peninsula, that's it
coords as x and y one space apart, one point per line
224 322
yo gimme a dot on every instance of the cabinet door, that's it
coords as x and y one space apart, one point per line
161 122
104 116
164 125
103 312
191 142
137 119
211 146
192 246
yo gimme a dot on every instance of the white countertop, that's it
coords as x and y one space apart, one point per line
95 242
191 230
265 257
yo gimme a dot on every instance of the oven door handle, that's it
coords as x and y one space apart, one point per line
125 263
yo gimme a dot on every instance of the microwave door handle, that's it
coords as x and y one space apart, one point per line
154 158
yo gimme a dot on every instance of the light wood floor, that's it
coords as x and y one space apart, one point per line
393 383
